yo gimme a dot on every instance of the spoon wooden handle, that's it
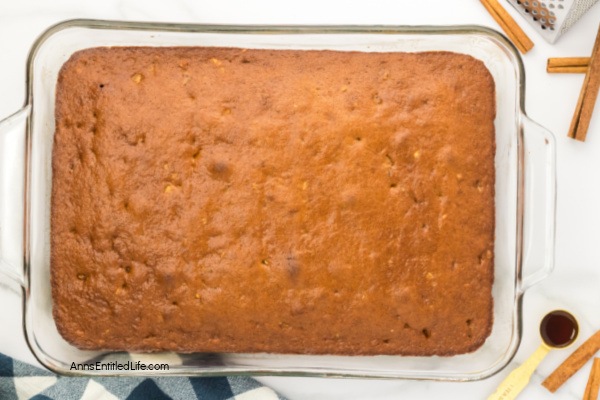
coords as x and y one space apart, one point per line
516 381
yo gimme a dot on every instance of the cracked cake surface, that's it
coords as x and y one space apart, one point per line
280 201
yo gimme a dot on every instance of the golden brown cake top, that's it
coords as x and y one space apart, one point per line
231 200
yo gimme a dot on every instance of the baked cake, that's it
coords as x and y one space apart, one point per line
237 200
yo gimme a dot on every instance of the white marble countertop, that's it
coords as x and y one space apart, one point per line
550 100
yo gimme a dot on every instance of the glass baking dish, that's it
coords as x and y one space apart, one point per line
525 194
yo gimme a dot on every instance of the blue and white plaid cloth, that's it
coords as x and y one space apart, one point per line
21 381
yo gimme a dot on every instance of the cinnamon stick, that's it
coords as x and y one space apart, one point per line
593 384
508 25
567 65
587 96
573 363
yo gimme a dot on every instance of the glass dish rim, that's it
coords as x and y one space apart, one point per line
271 29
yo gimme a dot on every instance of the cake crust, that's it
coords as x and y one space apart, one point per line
280 201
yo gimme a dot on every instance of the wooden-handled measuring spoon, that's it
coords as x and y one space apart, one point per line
558 330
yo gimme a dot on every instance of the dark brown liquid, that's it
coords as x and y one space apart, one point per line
559 329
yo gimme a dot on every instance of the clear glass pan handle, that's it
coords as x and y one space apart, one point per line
540 202
12 183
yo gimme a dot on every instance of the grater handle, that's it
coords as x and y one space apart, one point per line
539 226
12 184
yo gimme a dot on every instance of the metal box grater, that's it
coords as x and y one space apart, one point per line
552 18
